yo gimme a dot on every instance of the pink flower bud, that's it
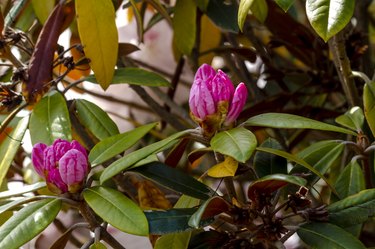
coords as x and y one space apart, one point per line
237 104
55 183
37 157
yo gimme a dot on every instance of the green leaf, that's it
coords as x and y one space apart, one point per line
28 222
266 163
42 9
238 143
16 202
173 240
184 25
98 32
270 183
211 207
114 145
350 181
328 17
133 157
296 160
259 9
98 245
117 209
95 119
175 180
354 209
50 120
223 14
22 190
326 236
10 145
352 119
289 121
243 10
285 4
369 105
135 76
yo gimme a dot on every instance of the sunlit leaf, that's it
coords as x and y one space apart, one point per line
369 104
98 245
289 121
95 119
184 25
243 10
352 119
22 190
135 76
259 9
325 236
28 222
9 147
350 181
226 168
173 240
117 209
50 120
238 143
98 33
328 17
42 9
210 37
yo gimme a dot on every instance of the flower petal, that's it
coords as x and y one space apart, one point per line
237 104
60 147
55 183
76 145
37 157
205 72
222 87
49 159
73 167
200 101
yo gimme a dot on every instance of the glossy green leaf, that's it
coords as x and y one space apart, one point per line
297 160
169 221
354 209
369 104
10 145
114 145
243 10
259 9
50 120
184 25
211 207
270 183
28 222
135 76
285 4
98 245
95 119
117 209
175 180
238 143
17 202
223 14
326 236
352 119
133 157
98 33
173 240
290 121
22 190
42 9
328 17
350 181
266 163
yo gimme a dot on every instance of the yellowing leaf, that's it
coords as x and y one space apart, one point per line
210 38
42 9
150 196
223 169
98 33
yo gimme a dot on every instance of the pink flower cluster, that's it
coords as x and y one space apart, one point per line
64 165
212 93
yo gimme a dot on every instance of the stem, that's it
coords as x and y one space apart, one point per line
368 172
344 71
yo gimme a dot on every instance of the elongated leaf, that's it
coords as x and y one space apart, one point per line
223 14
266 163
354 209
9 147
28 222
285 4
369 105
135 76
175 180
22 190
133 157
238 143
173 240
350 181
98 33
296 160
184 25
328 17
95 119
211 207
289 121
327 236
352 119
42 9
50 120
114 145
271 183
259 9
118 210
243 10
